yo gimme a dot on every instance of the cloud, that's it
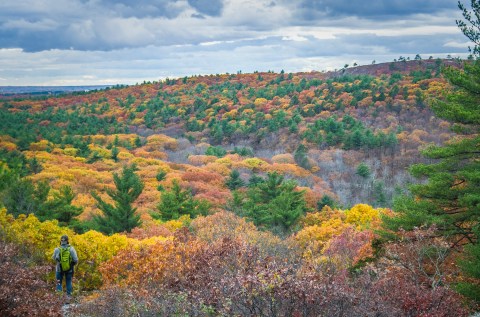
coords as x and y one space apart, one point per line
169 9
125 41
207 7
116 24
312 9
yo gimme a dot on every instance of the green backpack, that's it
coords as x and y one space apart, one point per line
65 258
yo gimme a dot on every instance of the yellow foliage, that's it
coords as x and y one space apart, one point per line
230 115
137 121
41 145
70 151
28 230
289 168
260 102
9 146
316 237
219 168
248 112
141 162
104 153
161 142
123 155
254 163
225 161
93 248
362 215
316 218
174 225
324 114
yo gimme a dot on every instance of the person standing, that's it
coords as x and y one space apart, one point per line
66 258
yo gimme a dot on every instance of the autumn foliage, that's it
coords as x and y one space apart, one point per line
245 199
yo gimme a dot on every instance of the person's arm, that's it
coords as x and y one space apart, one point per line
73 253
55 255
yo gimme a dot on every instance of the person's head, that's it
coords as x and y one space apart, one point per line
64 239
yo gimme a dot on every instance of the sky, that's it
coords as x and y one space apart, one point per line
97 42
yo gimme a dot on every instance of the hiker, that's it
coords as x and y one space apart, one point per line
66 258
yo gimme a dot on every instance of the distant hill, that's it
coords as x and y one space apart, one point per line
17 91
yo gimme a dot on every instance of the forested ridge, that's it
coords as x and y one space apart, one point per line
264 194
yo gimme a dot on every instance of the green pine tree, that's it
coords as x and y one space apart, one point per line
274 204
363 170
326 201
21 196
60 207
177 202
114 153
120 216
234 181
300 156
451 197
255 180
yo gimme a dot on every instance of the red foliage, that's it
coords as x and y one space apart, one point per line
229 277
150 231
23 289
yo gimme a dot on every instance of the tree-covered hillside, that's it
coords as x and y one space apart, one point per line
317 128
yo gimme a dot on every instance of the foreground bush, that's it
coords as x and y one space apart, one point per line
229 277
23 289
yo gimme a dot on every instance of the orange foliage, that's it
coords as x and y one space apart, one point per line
9 146
225 224
285 158
198 160
195 175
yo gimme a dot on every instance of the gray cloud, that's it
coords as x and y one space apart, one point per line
143 8
313 9
122 41
115 24
207 7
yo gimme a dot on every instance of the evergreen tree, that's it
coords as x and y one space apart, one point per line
270 188
120 216
115 152
23 197
300 156
60 207
326 201
234 181
363 170
34 165
161 175
379 193
255 180
177 202
451 197
217 151
274 204
138 142
7 177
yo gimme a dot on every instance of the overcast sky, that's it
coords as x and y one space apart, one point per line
80 42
